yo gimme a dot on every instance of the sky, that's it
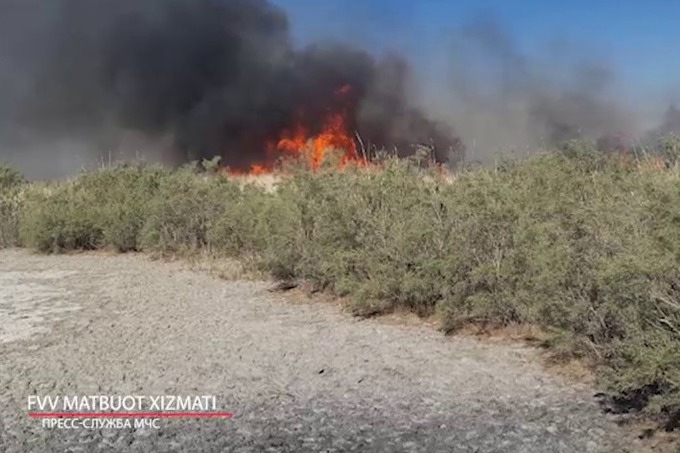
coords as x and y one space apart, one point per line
639 38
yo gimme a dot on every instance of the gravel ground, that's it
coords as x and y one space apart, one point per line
298 377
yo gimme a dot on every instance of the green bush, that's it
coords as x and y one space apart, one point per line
584 245
244 222
103 208
58 217
11 184
10 178
120 198
187 205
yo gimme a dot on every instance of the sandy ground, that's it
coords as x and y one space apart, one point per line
298 377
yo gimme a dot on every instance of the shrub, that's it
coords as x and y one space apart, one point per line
243 223
104 208
11 184
184 209
586 246
574 243
10 178
58 217
121 200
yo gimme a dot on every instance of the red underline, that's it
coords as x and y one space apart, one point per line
129 414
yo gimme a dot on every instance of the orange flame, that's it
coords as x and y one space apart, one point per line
333 135
300 143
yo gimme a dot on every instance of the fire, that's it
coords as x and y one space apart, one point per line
256 169
333 135
301 143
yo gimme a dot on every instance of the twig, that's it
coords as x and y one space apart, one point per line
363 149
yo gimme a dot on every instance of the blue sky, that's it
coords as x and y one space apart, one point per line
639 37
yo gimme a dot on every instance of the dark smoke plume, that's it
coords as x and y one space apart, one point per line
210 77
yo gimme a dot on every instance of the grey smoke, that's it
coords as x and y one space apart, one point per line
177 80
208 76
503 99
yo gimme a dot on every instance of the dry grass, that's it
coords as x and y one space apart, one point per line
266 181
224 268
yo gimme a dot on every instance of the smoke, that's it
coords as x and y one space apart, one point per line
193 78
670 123
503 99
83 81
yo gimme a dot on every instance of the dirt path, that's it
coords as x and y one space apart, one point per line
298 377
